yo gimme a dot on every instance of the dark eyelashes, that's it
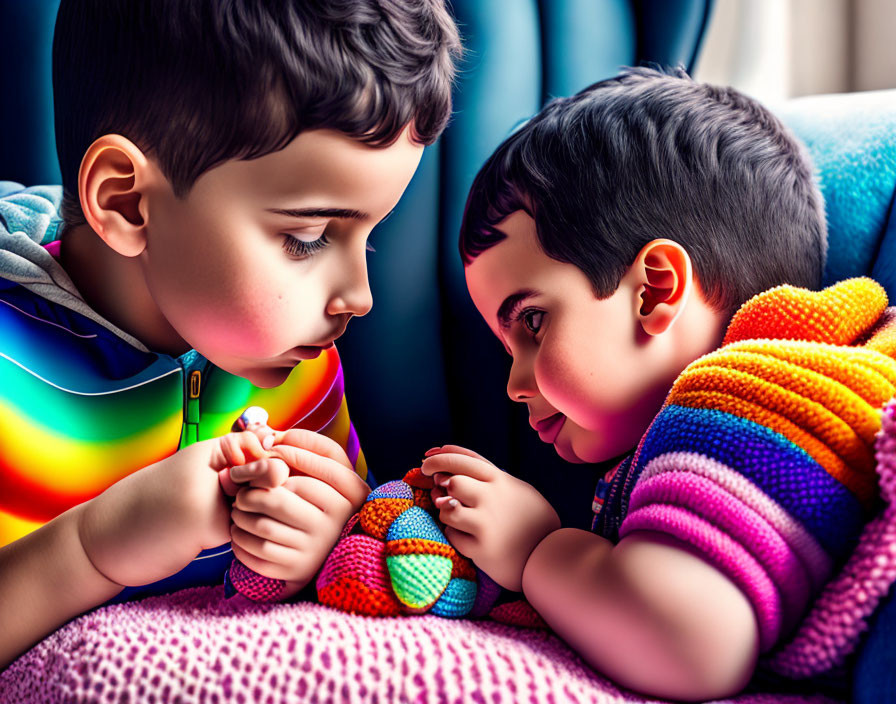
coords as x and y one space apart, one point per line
299 248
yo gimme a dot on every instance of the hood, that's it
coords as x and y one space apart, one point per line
29 220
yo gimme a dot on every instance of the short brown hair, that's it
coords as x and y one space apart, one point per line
655 154
196 83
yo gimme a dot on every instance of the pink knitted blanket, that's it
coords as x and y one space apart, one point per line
197 646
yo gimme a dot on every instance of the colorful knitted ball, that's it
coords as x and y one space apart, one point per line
393 558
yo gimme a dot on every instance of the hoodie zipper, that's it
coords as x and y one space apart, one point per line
195 367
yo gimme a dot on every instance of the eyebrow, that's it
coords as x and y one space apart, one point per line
511 303
342 213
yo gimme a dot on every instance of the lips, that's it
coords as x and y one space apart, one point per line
549 428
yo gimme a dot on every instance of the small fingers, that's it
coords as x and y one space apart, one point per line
281 505
461 487
454 463
228 486
314 442
457 449
445 502
265 473
266 528
460 517
326 469
236 448
437 492
266 435
317 493
261 548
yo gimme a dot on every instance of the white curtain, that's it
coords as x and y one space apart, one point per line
777 49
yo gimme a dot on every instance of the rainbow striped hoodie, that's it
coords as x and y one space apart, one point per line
83 404
762 457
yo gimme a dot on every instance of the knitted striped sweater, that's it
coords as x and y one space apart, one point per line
762 457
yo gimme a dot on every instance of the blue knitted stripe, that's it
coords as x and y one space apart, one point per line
778 467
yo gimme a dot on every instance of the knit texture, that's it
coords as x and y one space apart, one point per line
763 456
196 647
393 559
841 614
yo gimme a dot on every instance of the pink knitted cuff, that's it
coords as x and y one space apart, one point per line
704 498
252 585
815 560
722 552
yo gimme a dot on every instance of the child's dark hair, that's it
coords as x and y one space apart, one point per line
195 83
653 154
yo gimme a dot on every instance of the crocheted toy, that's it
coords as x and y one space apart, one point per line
400 561
393 559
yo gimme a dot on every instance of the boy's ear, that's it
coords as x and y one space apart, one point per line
112 184
663 268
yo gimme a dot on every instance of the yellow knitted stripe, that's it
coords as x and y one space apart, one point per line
838 315
860 480
868 373
812 417
788 363
883 338
842 403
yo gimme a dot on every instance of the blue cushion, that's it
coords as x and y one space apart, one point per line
852 140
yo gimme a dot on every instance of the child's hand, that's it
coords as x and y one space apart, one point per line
492 517
152 523
286 532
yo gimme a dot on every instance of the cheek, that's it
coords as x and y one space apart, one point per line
266 319
240 324
240 308
587 379
563 378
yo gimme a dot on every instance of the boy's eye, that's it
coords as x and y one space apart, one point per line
532 319
301 249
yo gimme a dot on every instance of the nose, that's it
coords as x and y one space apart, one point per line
352 293
521 382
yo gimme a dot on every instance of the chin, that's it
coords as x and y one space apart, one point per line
591 451
565 451
267 378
